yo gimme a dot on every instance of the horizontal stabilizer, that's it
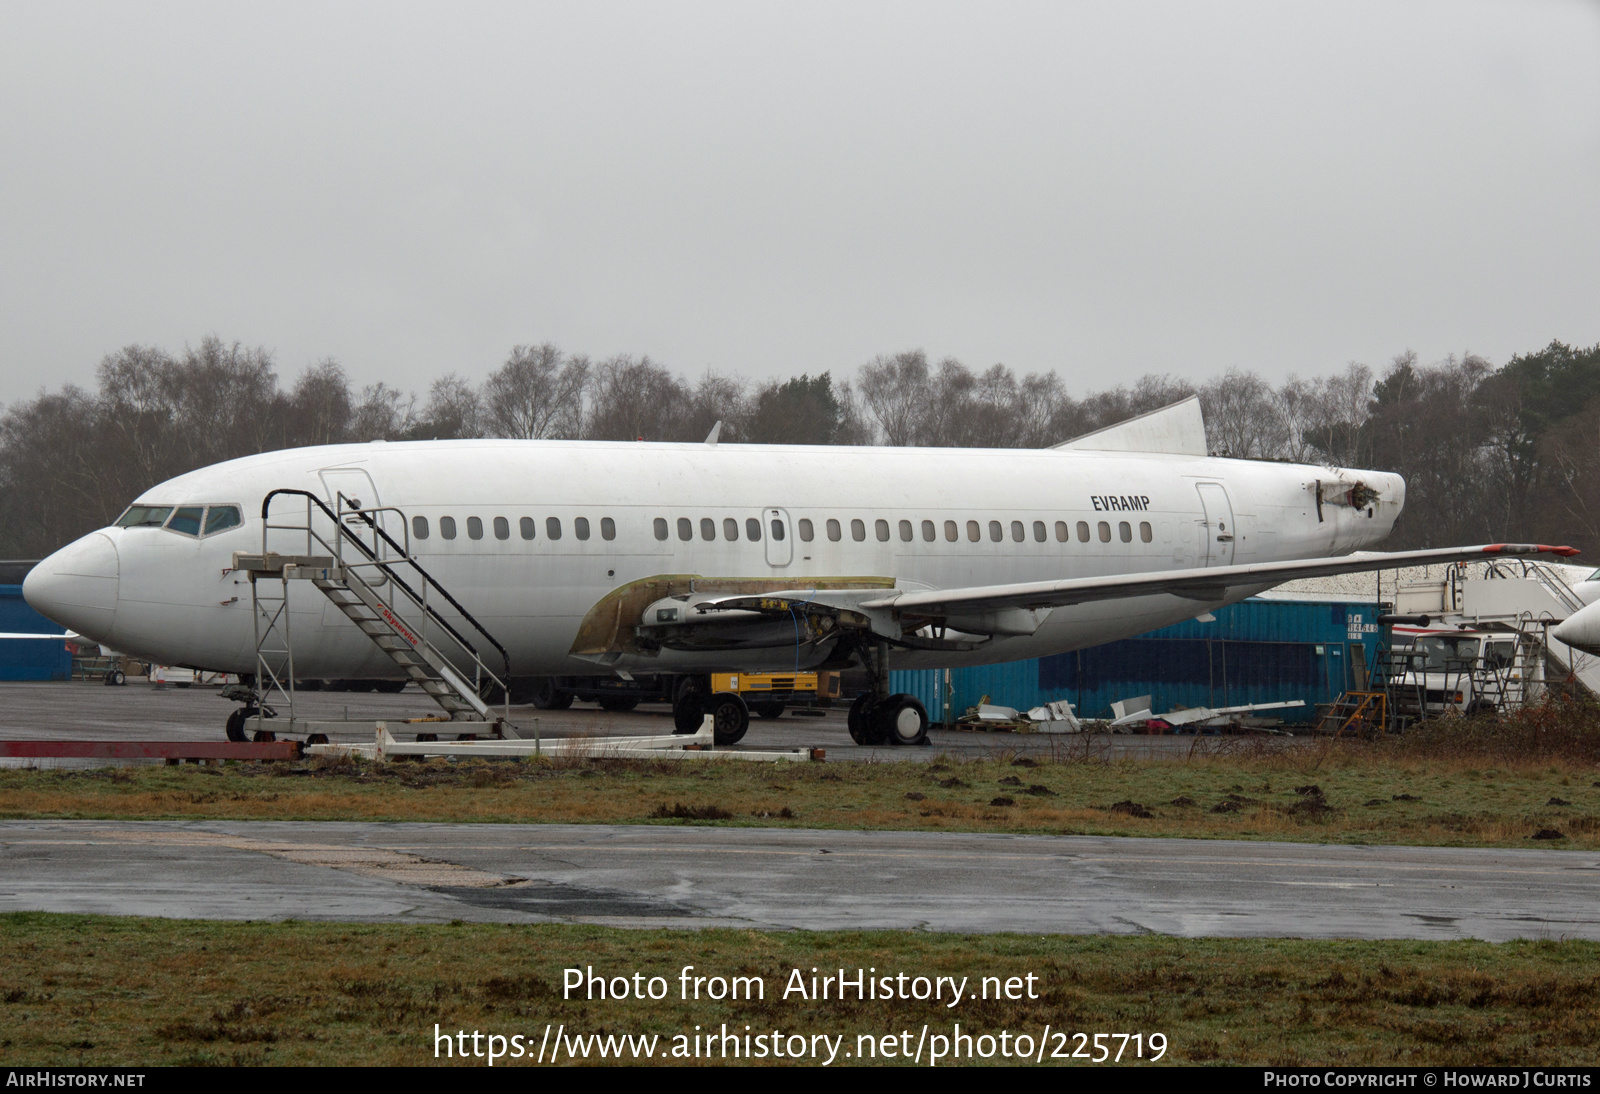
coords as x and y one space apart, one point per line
1176 430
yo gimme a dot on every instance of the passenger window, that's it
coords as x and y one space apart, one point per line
1125 531
708 529
777 528
974 533
419 527
1039 533
730 529
186 520
220 517
1017 532
905 531
1105 532
806 532
661 527
858 530
685 529
474 528
950 532
580 527
996 533
502 528
552 527
447 527
1083 531
833 530
526 527
144 516
881 527
608 528
752 529
928 533
1144 531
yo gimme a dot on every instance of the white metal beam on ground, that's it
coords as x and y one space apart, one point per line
699 745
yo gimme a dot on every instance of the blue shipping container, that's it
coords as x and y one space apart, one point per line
25 658
1257 651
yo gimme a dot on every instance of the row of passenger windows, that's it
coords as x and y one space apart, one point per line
187 520
930 530
527 527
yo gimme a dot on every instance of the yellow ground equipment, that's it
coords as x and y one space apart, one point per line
777 687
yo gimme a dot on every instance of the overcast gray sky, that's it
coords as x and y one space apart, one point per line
1101 189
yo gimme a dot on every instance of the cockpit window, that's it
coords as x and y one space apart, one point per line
186 520
220 517
144 516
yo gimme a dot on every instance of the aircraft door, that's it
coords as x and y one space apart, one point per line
360 493
1217 529
779 534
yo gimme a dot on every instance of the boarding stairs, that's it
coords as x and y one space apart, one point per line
375 582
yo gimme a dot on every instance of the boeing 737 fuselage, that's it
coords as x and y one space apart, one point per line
594 558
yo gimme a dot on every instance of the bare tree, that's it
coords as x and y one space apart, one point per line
1243 418
895 391
319 406
537 393
636 399
454 411
384 414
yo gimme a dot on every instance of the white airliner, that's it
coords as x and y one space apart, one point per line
599 558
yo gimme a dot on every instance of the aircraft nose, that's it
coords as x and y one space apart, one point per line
1581 630
77 586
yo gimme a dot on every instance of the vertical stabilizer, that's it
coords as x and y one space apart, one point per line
1176 430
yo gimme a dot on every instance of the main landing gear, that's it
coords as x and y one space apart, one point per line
692 701
878 718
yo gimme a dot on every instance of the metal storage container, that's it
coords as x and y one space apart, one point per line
25 658
1262 650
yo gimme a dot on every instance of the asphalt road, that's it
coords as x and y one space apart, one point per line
665 876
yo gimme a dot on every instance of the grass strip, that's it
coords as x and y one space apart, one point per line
1346 795
104 991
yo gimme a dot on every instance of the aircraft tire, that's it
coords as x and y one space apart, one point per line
730 718
546 696
902 720
618 706
235 726
689 703
768 710
864 728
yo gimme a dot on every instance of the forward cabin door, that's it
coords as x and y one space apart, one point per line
1216 531
779 535
360 493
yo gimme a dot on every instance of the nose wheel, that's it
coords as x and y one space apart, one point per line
242 717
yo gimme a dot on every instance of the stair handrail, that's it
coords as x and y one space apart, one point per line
400 583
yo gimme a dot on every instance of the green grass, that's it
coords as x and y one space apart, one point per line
1340 794
89 990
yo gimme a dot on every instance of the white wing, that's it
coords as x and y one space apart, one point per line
1207 584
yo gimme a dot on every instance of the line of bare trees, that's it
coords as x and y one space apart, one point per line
1488 453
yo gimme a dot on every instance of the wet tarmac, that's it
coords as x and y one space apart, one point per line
664 876
142 711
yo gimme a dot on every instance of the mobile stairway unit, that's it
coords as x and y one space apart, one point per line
373 579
